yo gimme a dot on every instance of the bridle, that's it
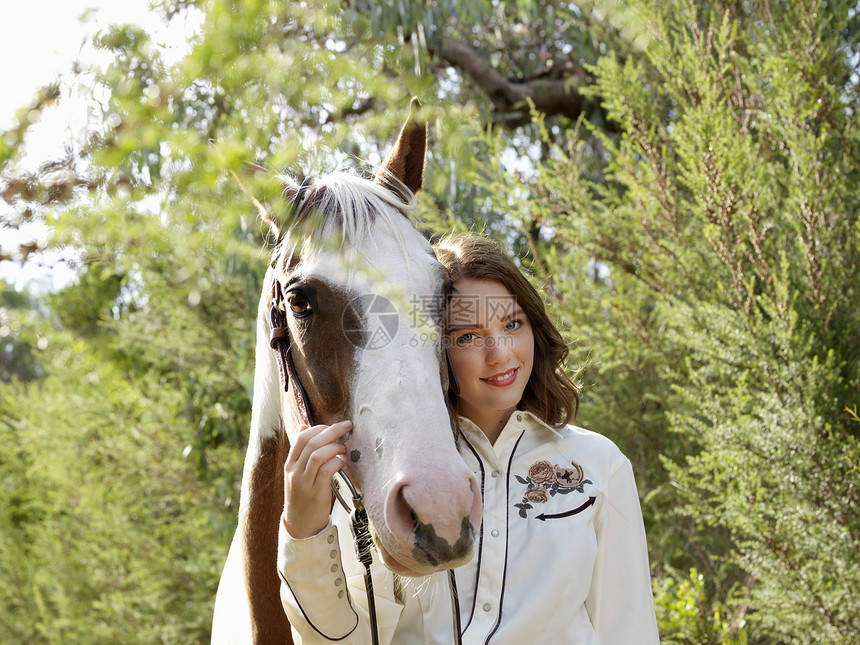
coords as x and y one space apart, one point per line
279 340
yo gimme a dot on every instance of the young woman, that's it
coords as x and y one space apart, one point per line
561 555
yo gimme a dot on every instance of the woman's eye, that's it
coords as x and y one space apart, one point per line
513 324
299 305
468 337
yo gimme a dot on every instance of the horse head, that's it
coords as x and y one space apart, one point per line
362 296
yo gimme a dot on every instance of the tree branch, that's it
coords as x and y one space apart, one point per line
550 96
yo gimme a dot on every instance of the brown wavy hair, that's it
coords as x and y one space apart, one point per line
550 393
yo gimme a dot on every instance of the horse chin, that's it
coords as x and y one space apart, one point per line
412 568
400 569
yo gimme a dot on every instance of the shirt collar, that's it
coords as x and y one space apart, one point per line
522 419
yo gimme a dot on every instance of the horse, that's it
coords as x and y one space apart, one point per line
351 276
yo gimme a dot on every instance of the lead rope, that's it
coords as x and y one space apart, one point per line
455 608
363 542
362 549
280 342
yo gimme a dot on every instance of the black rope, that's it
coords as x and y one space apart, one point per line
363 542
455 608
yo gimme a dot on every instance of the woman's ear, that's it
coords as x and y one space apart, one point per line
404 165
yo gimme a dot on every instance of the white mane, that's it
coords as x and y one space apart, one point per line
352 205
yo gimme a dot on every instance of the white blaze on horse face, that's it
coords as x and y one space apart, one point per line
422 500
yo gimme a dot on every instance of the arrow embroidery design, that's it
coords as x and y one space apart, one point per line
543 517
545 480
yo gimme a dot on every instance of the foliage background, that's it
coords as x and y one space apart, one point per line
680 179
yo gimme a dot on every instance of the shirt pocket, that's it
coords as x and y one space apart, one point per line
554 499
572 508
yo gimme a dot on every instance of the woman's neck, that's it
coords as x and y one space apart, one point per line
490 422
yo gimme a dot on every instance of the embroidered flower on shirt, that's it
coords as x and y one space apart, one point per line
542 472
545 480
536 495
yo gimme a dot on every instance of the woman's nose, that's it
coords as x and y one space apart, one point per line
497 350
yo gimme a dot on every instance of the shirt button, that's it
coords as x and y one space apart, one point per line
340 594
338 582
334 568
495 473
330 539
487 606
494 533
333 554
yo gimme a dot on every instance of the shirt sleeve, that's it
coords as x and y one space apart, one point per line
620 602
317 595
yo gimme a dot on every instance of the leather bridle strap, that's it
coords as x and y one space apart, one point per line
280 342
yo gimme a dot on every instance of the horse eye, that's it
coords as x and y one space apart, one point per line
298 304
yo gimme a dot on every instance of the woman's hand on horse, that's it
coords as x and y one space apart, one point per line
315 457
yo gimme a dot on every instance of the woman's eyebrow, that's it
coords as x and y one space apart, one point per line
453 328
518 313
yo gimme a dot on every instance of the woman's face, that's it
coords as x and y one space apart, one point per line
491 344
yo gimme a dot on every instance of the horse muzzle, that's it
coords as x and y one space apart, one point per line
429 521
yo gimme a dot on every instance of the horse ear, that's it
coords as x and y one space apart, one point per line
404 165
289 189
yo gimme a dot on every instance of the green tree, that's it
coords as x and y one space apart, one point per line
679 178
726 220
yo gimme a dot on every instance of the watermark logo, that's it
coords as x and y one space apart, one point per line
370 321
475 310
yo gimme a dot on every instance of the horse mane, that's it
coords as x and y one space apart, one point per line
345 203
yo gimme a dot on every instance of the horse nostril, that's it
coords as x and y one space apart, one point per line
437 517
401 517
413 516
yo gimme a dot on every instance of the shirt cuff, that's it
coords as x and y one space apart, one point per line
313 584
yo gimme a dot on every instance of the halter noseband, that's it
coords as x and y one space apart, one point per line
279 340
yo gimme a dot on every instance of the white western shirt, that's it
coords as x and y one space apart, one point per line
560 556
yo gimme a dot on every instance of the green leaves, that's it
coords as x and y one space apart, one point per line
741 262
695 233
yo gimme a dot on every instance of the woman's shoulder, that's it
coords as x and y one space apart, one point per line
592 446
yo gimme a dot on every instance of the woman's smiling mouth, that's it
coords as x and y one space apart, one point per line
502 378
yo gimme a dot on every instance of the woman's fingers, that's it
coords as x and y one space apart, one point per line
314 458
327 455
312 439
330 468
